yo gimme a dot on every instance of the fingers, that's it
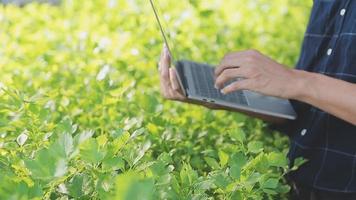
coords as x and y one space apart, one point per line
177 93
170 87
229 74
164 73
237 59
245 84
165 63
174 79
230 60
225 76
178 96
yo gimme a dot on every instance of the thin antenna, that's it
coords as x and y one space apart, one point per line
160 27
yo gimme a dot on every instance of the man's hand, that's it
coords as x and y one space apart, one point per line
261 74
170 88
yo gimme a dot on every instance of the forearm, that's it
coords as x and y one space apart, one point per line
331 95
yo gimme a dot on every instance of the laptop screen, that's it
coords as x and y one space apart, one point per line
161 23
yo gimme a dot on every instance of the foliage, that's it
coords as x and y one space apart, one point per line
81 116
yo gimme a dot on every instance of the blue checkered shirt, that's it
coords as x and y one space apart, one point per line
328 143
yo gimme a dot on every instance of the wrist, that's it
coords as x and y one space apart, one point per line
301 85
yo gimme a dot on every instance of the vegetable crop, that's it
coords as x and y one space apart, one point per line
81 116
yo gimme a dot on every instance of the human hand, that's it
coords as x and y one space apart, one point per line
170 88
261 73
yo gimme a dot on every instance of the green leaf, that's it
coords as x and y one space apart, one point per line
238 135
90 151
131 186
152 128
116 133
206 13
102 140
112 164
120 142
235 171
82 137
64 145
220 180
66 126
75 186
260 163
137 132
236 163
205 185
164 179
187 175
223 157
165 158
298 162
144 189
255 146
158 168
277 159
46 166
283 189
270 183
212 163
11 189
269 191
141 152
175 184
237 195
253 178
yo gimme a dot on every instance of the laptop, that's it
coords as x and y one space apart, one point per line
197 83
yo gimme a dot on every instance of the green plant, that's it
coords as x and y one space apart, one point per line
81 115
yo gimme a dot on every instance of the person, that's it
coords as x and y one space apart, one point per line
322 90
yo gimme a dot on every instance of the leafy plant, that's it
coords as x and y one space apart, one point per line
81 116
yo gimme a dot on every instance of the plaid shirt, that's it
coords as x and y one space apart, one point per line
328 143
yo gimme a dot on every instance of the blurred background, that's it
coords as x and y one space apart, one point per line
24 2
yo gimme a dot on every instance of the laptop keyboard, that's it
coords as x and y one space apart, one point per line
203 76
